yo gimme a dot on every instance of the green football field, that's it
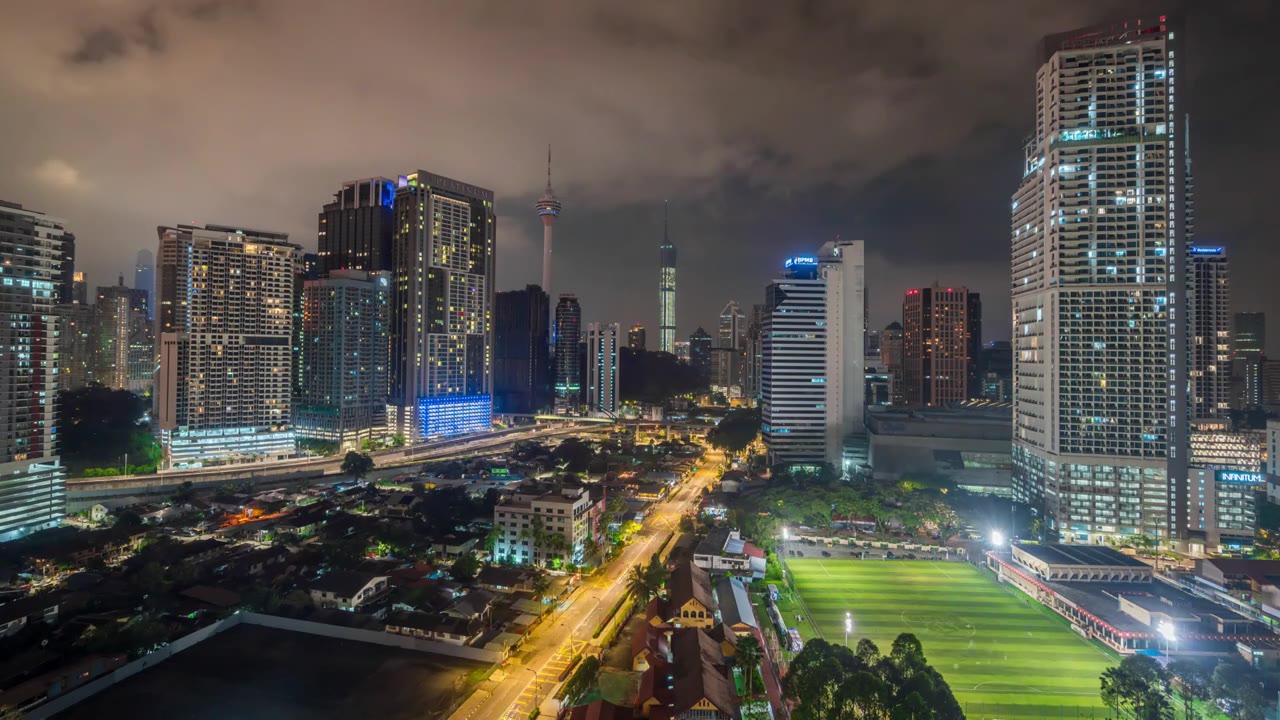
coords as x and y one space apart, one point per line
1003 655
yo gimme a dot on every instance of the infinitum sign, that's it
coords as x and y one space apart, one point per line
1240 476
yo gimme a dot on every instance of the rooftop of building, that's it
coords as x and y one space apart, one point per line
342 583
980 419
690 582
1080 555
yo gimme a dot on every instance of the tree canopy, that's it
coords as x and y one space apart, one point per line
99 425
832 682
357 465
736 431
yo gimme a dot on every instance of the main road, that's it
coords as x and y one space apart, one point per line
83 492
547 651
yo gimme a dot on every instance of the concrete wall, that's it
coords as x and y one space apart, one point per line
373 636
88 690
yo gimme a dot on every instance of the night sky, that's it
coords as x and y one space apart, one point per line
770 127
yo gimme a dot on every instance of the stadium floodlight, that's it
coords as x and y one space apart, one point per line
848 627
997 538
785 535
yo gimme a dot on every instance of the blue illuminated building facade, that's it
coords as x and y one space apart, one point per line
441 417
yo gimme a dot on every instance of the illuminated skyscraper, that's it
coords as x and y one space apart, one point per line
32 492
667 289
602 368
568 360
941 339
345 322
1248 345
813 381
222 391
441 307
144 279
635 337
1209 303
1100 226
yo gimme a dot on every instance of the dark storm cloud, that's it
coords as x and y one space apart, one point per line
99 46
771 126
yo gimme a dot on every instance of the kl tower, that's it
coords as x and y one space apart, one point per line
548 208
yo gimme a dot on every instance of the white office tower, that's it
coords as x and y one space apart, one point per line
32 259
223 390
1099 232
602 368
812 380
1209 321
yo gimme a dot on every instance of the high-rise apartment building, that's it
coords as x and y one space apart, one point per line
753 355
32 491
1209 321
700 345
76 333
941 337
123 348
602 368
521 349
733 327
635 337
222 392
144 279
1100 226
443 248
67 269
813 383
682 350
995 371
346 318
666 288
79 289
355 229
568 360
891 359
1248 346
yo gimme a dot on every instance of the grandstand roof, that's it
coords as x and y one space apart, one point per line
1080 555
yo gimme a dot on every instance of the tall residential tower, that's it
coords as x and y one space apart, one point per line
1100 227
442 249
223 390
1209 302
32 253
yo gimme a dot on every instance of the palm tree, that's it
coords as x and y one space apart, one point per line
541 583
748 656
638 585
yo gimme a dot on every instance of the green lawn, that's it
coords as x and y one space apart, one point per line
1004 655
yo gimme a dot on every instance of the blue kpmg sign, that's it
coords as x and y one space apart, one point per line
801 260
1240 476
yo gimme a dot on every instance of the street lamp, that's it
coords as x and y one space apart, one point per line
1169 632
535 687
848 627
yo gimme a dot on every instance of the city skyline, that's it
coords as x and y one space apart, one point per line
737 204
